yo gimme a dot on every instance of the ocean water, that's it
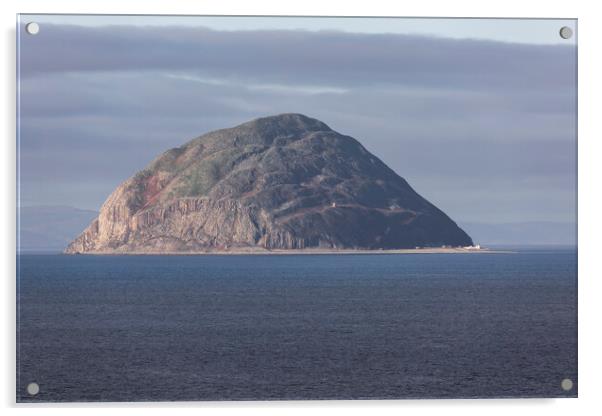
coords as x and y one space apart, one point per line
140 328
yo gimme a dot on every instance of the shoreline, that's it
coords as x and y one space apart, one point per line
300 252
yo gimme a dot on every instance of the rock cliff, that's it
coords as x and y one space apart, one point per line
281 182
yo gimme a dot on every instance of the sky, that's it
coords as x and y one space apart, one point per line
479 115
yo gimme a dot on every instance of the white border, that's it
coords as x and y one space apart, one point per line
590 157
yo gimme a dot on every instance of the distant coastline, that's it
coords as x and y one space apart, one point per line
306 251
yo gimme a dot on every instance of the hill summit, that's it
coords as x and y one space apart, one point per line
280 182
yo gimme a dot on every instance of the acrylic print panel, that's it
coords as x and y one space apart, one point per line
237 208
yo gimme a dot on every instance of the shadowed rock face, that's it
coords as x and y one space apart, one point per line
281 182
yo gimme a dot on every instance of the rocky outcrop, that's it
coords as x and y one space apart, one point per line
281 182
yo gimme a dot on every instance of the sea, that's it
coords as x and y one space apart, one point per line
290 327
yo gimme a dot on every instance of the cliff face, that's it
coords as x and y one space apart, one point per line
282 182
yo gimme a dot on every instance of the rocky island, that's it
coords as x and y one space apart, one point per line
285 182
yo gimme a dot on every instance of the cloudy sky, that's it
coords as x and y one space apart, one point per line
478 115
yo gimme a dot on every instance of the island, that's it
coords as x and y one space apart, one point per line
284 183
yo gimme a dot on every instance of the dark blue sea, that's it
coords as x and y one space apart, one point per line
162 328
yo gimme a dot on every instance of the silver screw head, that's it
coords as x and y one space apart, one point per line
33 389
32 28
567 384
566 32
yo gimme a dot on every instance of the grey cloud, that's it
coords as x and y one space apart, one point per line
285 56
483 129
